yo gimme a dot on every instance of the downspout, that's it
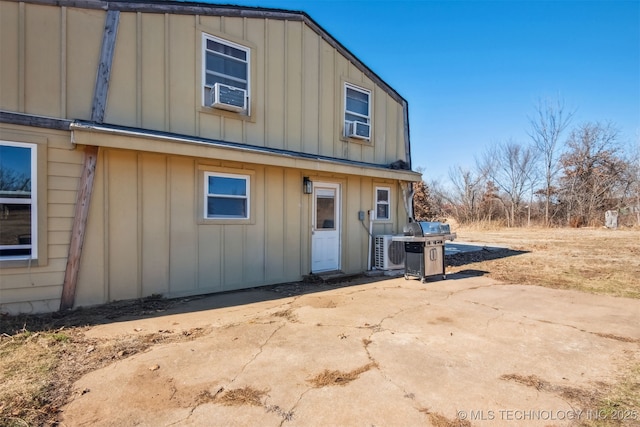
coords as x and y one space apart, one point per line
407 187
407 139
369 249
407 195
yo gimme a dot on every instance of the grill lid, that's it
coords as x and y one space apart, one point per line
423 228
412 229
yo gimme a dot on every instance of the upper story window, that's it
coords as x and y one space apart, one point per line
225 74
382 203
357 112
226 196
18 201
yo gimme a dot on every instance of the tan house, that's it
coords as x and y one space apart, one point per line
185 148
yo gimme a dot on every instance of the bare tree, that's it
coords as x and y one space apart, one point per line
10 180
635 174
465 196
511 167
595 173
546 127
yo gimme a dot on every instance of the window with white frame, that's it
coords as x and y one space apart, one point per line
357 112
383 211
225 74
18 201
226 196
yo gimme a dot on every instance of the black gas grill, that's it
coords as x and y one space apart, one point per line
424 249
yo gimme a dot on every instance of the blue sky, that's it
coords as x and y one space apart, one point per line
473 71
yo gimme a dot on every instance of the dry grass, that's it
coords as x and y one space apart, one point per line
439 420
243 396
592 260
582 397
39 366
621 404
329 378
529 381
28 364
607 406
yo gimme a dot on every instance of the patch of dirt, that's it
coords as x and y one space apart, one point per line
439 420
80 317
286 314
58 359
322 302
329 378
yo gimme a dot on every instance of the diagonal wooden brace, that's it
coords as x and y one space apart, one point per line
80 217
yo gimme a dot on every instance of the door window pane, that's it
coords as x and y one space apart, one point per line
325 209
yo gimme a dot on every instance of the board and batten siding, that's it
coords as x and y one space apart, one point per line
146 235
36 287
50 55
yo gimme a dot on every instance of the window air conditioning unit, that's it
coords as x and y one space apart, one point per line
389 255
359 130
228 98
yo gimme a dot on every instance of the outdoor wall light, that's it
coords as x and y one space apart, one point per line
307 185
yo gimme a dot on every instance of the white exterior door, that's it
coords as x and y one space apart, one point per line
325 232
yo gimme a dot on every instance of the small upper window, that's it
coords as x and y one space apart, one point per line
18 201
226 196
357 112
382 203
226 74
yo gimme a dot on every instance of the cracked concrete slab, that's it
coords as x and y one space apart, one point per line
391 352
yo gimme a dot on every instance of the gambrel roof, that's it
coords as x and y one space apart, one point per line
198 8
223 10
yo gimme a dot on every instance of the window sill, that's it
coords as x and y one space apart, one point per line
225 113
366 142
225 221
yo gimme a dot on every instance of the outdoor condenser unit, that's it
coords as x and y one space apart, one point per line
388 255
